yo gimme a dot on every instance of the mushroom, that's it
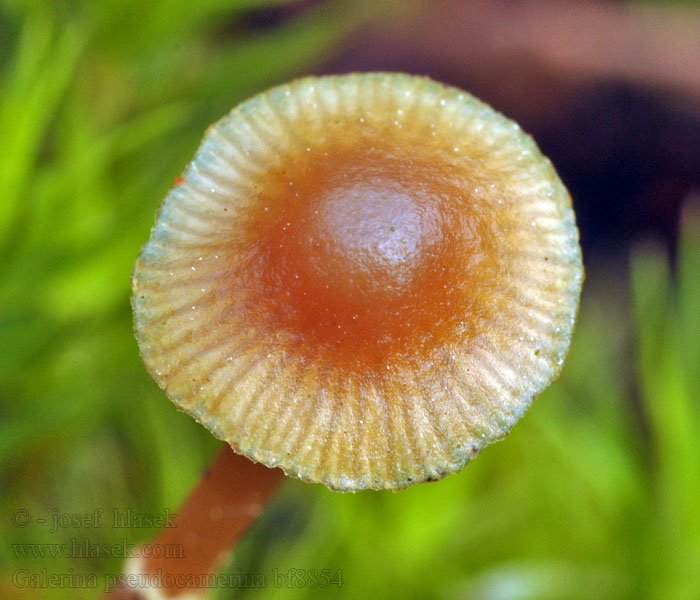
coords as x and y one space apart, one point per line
362 280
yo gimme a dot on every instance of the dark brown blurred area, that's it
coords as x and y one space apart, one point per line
610 91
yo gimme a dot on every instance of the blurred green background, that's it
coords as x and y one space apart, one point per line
595 494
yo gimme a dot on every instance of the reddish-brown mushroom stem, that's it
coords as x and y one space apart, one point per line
227 501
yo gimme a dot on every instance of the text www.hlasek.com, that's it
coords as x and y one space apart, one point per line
85 548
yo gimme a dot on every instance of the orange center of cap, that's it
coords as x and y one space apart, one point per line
366 255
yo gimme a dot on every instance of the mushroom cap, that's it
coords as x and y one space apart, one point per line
361 279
